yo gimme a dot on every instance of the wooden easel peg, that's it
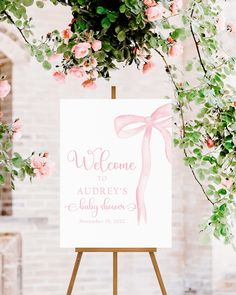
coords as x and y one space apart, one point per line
113 92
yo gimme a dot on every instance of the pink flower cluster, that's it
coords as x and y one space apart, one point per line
5 88
176 6
66 34
176 49
145 58
154 11
148 66
83 52
17 129
227 183
232 27
87 68
42 167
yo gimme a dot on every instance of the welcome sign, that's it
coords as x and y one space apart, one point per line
115 173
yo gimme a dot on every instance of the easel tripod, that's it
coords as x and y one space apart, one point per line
115 252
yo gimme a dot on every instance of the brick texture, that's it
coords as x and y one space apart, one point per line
188 268
10 271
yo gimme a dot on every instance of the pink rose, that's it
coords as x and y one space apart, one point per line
136 50
89 84
5 88
96 45
175 6
44 171
176 49
59 76
232 27
36 162
227 183
46 154
150 3
17 129
66 34
94 62
81 50
54 57
147 67
94 74
87 66
42 167
155 12
77 72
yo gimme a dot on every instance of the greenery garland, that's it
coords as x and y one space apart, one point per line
14 165
103 34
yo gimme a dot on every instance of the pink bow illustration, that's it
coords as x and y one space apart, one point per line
159 119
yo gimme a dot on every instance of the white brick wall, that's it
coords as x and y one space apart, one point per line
188 266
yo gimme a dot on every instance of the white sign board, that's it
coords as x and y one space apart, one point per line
115 173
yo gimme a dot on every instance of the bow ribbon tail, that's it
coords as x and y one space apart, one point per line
167 139
144 176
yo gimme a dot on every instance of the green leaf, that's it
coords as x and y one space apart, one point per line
101 10
100 56
189 66
121 36
106 23
40 4
222 191
17 161
39 56
62 48
18 23
46 65
222 208
81 25
1 179
153 42
217 179
106 46
28 2
178 33
229 145
197 152
122 8
112 16
21 174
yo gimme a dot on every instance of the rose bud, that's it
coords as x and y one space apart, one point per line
210 143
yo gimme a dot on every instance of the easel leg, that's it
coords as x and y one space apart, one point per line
158 273
74 273
115 273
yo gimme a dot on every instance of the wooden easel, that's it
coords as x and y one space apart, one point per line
115 252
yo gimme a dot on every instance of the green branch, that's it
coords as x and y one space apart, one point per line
12 22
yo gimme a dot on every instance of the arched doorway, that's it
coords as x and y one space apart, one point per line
12 52
6 117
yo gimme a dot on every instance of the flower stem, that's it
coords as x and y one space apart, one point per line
196 42
12 21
